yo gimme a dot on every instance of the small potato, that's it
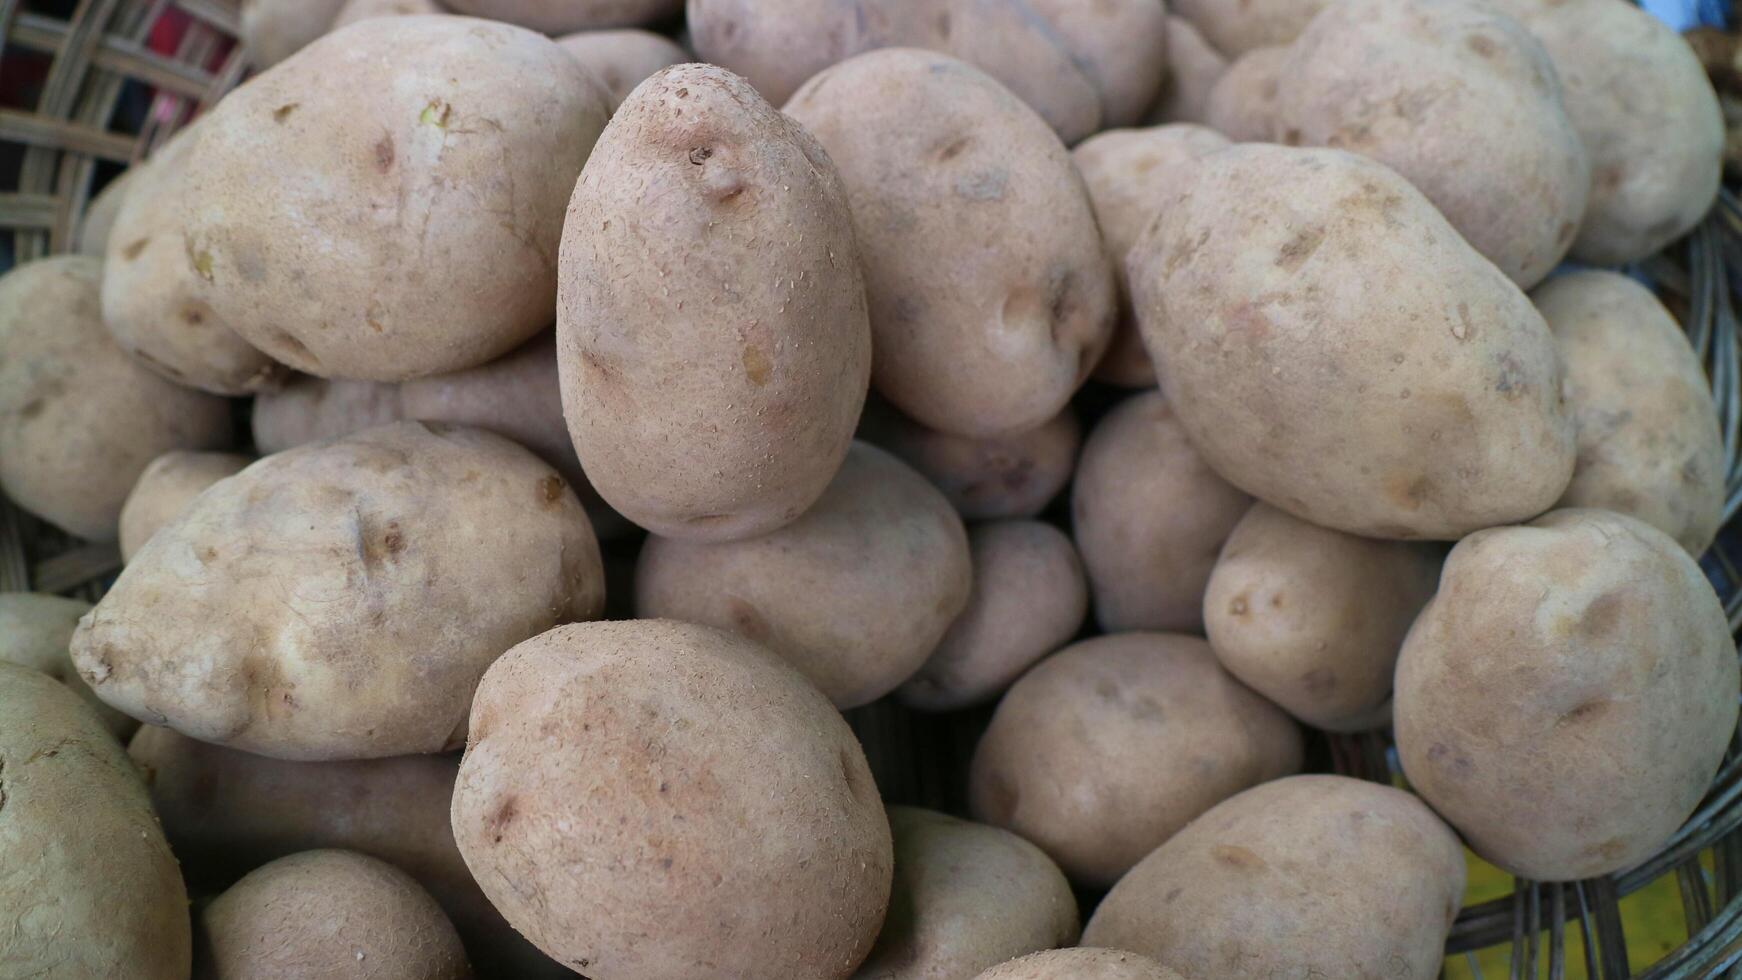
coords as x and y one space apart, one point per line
320 915
1193 67
1579 664
939 159
99 220
35 632
855 594
341 600
1313 618
356 10
1082 963
92 889
1238 27
1149 516
656 799
1016 475
165 489
1028 599
309 409
715 402
1107 748
273 30
79 419
1243 103
563 16
1311 876
623 59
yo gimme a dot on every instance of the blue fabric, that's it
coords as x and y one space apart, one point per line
1683 14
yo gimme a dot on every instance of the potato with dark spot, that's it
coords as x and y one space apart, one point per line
1016 475
1579 664
1107 748
273 30
35 632
1311 876
712 337
1243 103
623 59
1082 963
1237 27
562 16
341 600
165 489
656 799
1193 67
356 10
939 159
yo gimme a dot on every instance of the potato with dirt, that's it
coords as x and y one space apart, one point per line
36 631
165 489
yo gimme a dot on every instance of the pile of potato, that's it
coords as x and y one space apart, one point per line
827 309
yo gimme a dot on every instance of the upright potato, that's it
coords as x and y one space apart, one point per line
1193 67
1237 28
1016 475
165 489
562 16
36 631
1243 103
273 30
623 59
1082 963
710 392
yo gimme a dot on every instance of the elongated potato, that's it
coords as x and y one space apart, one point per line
1082 963
36 631
1243 103
1016 475
273 30
1193 68
165 489
623 59
1236 28
562 16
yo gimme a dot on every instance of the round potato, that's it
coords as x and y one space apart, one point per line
711 393
273 30
356 10
326 914
1107 748
341 600
1311 876
939 159
623 59
855 594
1237 27
99 219
79 419
35 632
657 799
1427 409
1313 618
106 900
985 479
1193 67
1242 104
562 16
165 489
1580 664
433 152
1082 963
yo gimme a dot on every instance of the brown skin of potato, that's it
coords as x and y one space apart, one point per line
855 594
1238 27
79 419
100 214
1149 517
1580 664
35 631
1107 748
985 479
563 16
1029 598
1082 963
446 185
725 820
1313 618
714 403
1242 103
1649 444
1193 67
966 896
165 489
939 159
356 10
273 30
341 600
1226 896
623 59
324 915
106 900
1427 409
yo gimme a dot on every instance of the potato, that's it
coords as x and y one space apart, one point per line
1107 748
99 219
106 900
1130 173
356 10
1236 28
1311 876
322 914
1028 599
966 896
1016 475
433 152
623 59
1313 618
341 600
79 419
308 409
165 489
562 16
1427 409
855 594
715 402
1243 103
659 799
273 30
1193 67
939 159
1577 665
1648 437
1081 964
1149 518
35 630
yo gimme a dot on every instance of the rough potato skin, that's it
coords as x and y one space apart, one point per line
445 185
656 799
1107 748
938 158
273 30
79 419
1236 28
356 10
1193 67
165 489
1243 103
342 599
855 594
99 217
323 915
623 59
562 16
1313 618
106 901
1081 963
1580 664
35 631
712 336
985 479
1427 409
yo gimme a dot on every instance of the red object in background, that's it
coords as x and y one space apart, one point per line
166 34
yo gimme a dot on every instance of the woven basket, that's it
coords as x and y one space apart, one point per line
109 93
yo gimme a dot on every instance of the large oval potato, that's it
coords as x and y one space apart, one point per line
1243 103
710 392
1237 27
1580 664
273 30
939 159
1193 68
36 631
165 489
433 152
1107 748
855 594
656 799
623 59
1082 963
1311 876
562 16
79 418
92 889
341 600
1015 475
1427 409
